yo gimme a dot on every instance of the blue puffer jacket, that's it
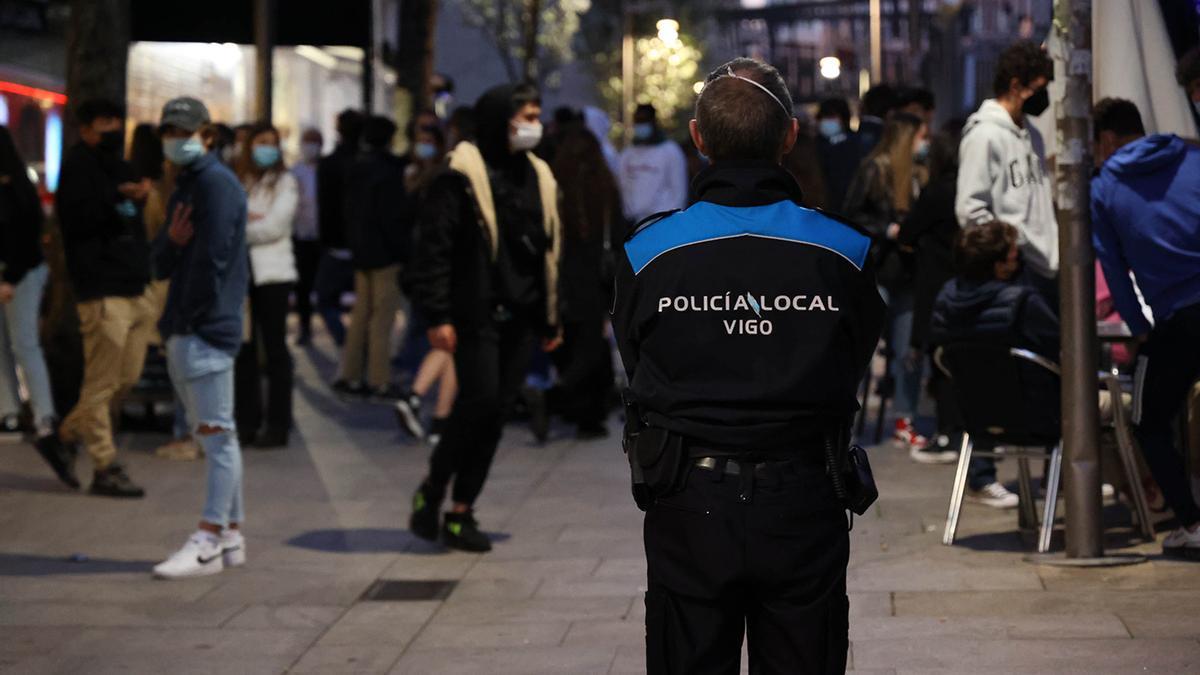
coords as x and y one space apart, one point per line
997 312
1146 219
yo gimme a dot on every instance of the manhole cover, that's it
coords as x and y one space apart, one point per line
401 590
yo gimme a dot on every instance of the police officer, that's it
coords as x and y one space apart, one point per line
745 323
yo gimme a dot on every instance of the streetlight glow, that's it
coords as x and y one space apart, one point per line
831 67
668 30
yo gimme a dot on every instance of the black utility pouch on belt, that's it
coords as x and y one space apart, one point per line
658 461
851 474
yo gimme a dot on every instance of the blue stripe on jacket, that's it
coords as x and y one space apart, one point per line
782 220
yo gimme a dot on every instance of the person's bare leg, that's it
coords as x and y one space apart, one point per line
447 390
430 370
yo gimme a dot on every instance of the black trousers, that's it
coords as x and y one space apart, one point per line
743 555
1168 365
585 373
268 317
335 277
491 365
308 256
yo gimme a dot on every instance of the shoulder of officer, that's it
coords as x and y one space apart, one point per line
646 222
837 217
782 221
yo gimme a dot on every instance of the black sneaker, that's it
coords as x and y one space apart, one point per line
114 482
424 519
408 415
539 414
461 531
345 389
60 456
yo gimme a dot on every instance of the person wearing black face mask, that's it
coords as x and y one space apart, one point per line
100 212
1002 164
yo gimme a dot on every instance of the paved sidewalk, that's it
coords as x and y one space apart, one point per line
560 594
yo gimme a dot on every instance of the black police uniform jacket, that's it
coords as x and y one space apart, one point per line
746 321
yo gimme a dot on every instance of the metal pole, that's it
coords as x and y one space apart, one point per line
264 69
876 43
1077 285
627 73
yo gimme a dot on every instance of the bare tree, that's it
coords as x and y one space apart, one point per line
533 37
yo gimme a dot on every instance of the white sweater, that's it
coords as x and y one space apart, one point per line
1002 176
653 179
270 212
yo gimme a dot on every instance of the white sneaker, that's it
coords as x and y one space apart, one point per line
994 495
201 555
1182 544
233 548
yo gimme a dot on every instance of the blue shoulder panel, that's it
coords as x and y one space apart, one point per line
783 220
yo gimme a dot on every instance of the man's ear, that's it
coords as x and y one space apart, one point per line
694 129
789 139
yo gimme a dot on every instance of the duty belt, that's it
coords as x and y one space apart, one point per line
761 469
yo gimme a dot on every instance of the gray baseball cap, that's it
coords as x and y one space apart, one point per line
185 113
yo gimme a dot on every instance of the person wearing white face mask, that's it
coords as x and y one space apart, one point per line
202 249
484 273
272 198
306 236
653 174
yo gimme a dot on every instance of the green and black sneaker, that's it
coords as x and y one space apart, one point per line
424 519
461 531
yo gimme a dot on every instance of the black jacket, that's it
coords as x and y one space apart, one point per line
452 276
839 162
333 172
746 321
869 203
378 211
103 232
455 275
20 228
930 229
995 311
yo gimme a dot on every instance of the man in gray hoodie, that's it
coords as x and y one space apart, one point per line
1002 164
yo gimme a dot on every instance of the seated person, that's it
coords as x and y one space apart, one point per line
984 303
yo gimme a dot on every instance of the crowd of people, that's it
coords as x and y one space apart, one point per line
496 242
966 249
488 240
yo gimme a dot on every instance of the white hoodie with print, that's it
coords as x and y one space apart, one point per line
1002 176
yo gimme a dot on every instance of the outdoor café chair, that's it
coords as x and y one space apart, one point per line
1010 407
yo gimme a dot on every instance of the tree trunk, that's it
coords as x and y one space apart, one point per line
414 54
530 53
97 51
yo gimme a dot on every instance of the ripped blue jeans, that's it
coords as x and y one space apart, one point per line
203 379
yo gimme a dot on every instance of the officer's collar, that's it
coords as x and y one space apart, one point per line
744 183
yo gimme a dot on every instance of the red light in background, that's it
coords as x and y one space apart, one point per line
33 92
